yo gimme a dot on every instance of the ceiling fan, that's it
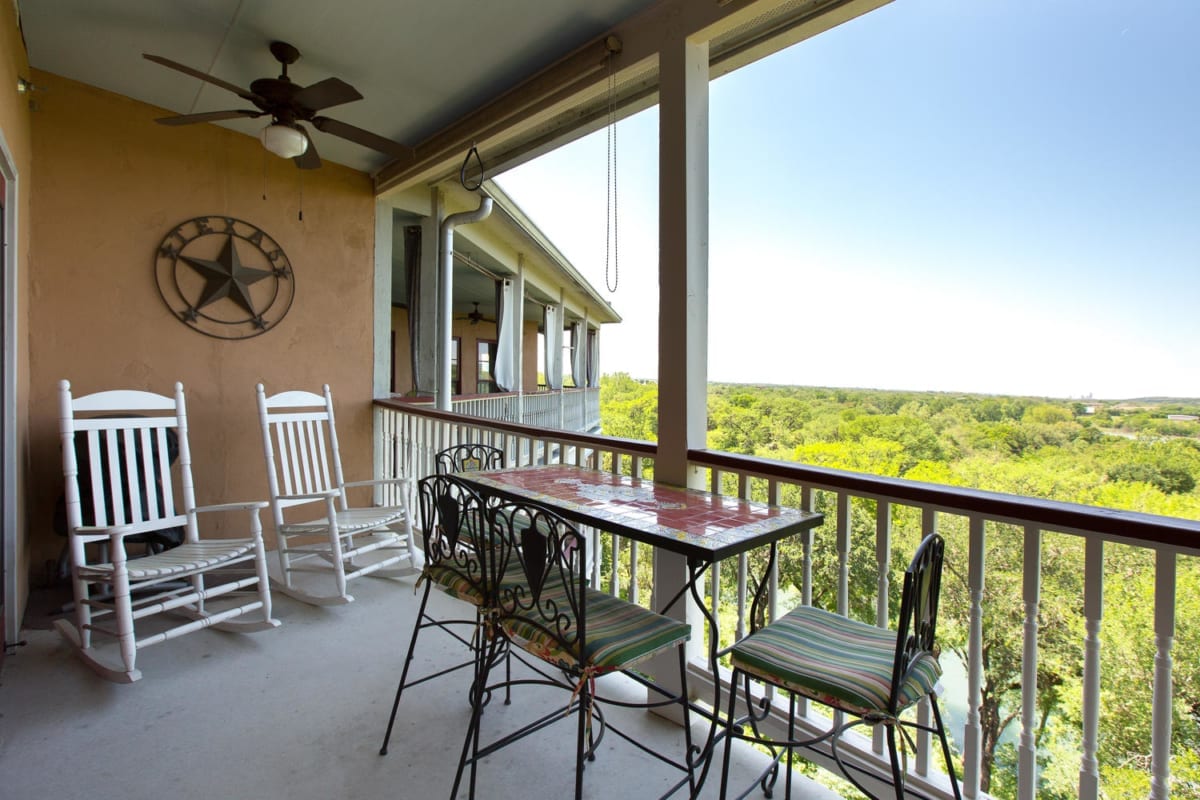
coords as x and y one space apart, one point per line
288 104
474 316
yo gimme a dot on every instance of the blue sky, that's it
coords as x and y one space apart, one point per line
939 195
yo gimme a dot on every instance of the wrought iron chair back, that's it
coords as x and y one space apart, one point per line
872 675
917 627
468 458
538 569
451 519
451 516
536 572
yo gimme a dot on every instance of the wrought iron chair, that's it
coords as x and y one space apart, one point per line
541 602
451 516
468 458
133 495
871 674
304 468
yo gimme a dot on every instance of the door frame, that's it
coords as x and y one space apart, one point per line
8 400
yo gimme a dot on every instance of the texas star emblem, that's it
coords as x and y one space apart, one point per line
224 277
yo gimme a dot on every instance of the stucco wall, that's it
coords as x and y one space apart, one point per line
15 127
110 184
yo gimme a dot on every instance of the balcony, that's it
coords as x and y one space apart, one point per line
296 712
973 523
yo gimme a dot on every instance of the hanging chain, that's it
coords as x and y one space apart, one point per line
611 254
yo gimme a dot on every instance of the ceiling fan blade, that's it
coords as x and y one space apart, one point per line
309 158
208 116
359 136
195 73
326 93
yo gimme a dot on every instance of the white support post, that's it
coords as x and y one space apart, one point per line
382 334
683 289
518 334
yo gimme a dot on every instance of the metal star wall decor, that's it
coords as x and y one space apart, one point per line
224 277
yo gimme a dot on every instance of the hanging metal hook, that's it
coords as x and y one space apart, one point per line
462 172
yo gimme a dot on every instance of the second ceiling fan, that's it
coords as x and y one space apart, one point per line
288 104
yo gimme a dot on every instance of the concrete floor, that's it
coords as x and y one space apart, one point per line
297 712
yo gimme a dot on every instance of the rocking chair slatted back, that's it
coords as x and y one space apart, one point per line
302 446
119 465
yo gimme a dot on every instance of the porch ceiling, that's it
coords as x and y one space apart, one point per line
419 66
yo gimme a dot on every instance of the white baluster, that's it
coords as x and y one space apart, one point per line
973 734
1164 639
929 524
1027 747
843 550
883 563
1093 610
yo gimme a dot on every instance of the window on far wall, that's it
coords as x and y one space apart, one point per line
455 369
485 383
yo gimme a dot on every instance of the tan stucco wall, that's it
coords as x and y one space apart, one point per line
15 126
110 184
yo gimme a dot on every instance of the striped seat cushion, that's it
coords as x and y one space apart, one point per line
619 633
455 582
841 662
465 582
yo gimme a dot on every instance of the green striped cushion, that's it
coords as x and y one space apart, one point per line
619 633
455 583
839 661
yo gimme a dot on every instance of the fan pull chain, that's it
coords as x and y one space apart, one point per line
610 199
264 158
301 217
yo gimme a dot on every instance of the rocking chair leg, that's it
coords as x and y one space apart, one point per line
123 602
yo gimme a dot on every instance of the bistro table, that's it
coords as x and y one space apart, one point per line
704 527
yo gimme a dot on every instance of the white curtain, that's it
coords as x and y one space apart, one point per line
594 364
552 325
578 354
504 369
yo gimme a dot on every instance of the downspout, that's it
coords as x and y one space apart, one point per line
441 398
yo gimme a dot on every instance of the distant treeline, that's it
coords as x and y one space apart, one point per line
1141 455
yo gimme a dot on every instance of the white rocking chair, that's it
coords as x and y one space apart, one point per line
304 467
124 490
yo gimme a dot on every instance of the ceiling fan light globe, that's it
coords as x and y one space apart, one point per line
283 140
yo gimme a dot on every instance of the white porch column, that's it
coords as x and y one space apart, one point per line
382 312
518 332
683 290
428 331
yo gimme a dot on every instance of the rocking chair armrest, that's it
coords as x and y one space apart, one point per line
252 505
330 494
96 533
380 482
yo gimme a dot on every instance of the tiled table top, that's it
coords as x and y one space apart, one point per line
695 523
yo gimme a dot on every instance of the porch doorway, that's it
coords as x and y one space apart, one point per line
9 622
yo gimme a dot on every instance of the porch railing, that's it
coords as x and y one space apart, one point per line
408 437
566 409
